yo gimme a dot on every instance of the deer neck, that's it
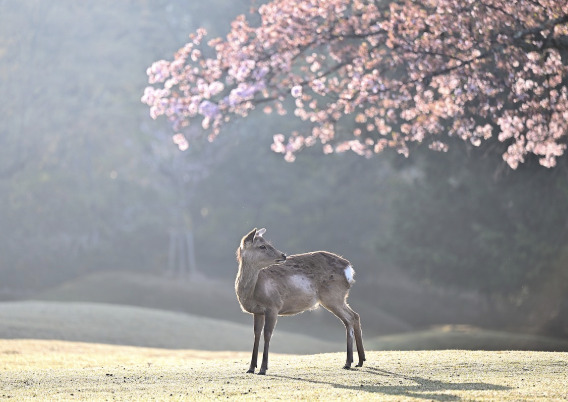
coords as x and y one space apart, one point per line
245 283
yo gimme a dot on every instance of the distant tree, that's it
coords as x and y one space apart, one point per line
463 222
369 74
181 174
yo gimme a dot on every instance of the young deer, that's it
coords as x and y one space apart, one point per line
270 284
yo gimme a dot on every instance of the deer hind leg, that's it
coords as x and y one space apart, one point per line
270 318
352 324
258 324
358 336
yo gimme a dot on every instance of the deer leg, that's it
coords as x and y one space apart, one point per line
258 324
350 333
270 318
358 336
343 313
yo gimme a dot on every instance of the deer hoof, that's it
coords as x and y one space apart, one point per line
360 364
250 371
347 367
262 372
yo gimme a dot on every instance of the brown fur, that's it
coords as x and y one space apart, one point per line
269 284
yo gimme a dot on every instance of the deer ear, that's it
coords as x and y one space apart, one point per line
260 232
247 239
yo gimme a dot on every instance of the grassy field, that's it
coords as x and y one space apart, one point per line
205 297
32 369
195 298
134 326
466 337
76 351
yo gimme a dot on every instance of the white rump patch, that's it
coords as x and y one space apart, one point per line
349 274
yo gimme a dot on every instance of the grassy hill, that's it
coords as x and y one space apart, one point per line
100 323
209 298
126 325
465 337
76 371
216 299
204 297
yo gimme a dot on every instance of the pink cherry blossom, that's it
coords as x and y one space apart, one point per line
181 142
366 75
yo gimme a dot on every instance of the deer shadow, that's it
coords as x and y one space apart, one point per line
422 388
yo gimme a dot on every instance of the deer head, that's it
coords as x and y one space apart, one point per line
255 251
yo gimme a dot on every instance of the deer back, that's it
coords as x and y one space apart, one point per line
300 282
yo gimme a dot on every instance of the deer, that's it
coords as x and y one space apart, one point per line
270 284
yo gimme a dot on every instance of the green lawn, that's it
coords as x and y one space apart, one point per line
52 370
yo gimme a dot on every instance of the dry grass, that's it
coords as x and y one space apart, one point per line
70 370
78 371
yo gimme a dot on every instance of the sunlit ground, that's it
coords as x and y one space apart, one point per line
79 371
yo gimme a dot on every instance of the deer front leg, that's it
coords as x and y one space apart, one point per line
270 318
258 324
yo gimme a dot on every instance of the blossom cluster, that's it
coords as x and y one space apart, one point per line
364 75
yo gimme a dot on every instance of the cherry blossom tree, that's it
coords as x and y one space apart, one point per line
363 75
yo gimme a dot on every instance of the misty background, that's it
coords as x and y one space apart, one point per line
97 204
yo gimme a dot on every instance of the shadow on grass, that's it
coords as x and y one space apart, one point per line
421 388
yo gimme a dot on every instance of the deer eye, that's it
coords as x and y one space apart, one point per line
263 247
